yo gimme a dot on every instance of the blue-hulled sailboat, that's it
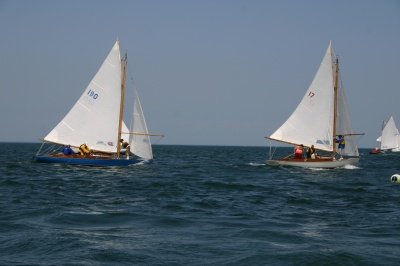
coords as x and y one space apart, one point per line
96 120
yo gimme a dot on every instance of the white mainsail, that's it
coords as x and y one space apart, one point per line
139 137
94 117
390 138
312 121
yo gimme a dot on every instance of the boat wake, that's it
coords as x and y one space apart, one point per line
350 167
141 163
319 169
347 166
256 164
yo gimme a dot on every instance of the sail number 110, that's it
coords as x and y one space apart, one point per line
92 94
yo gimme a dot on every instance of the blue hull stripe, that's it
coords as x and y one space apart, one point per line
86 161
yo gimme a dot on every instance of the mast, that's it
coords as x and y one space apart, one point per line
124 62
335 100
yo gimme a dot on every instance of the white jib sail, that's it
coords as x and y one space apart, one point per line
390 135
139 138
312 121
343 123
94 117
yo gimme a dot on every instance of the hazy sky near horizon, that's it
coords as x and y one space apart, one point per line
220 72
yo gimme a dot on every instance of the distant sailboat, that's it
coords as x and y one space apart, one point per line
96 120
318 120
390 137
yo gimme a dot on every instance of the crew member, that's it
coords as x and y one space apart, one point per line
125 145
341 144
311 152
84 150
298 152
67 150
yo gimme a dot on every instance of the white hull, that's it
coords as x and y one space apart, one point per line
395 150
315 163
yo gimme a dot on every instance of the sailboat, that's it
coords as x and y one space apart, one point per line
390 137
95 123
320 118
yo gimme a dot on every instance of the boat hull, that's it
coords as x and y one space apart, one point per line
91 161
375 151
310 163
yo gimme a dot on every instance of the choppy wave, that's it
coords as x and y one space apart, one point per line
197 205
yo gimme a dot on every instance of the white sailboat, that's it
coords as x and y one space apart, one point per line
96 120
318 120
390 137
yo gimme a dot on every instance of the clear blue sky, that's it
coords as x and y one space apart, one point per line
208 72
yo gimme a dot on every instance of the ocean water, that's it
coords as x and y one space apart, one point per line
198 205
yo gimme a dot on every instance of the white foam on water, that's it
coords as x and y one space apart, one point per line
350 167
257 164
319 169
139 163
347 166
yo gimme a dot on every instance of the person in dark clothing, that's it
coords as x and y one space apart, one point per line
311 152
67 150
125 145
341 144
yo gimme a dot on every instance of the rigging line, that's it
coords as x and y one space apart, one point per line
271 151
157 140
130 74
143 134
38 152
351 134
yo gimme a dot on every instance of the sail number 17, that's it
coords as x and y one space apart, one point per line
92 94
